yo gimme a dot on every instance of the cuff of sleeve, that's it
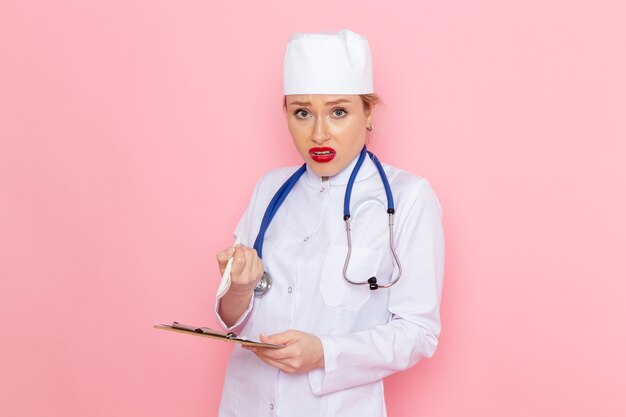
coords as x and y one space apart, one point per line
319 378
235 328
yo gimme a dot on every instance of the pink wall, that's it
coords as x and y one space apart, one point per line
131 134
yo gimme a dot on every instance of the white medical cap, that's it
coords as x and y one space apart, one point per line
328 63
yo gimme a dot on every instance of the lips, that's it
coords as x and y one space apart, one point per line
322 154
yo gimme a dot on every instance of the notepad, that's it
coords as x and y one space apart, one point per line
214 334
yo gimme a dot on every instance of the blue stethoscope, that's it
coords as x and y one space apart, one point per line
266 281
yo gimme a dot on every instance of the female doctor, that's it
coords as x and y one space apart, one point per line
341 339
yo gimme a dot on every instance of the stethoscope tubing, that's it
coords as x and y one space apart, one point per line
273 206
372 282
286 188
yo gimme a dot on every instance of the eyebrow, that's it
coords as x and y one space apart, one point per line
308 103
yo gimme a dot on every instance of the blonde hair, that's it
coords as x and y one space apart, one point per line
370 101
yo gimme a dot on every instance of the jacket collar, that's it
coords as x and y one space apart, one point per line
341 178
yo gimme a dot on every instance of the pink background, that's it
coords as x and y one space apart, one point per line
132 133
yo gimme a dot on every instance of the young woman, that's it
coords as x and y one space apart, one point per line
346 326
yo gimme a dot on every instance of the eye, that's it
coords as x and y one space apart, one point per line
301 113
339 112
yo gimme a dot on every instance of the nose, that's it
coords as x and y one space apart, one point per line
320 131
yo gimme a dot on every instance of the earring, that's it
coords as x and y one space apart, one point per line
370 127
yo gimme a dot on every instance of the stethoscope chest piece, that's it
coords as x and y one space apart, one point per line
264 285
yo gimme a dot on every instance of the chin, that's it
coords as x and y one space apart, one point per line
324 170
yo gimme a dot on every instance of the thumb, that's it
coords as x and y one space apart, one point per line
278 338
265 339
223 256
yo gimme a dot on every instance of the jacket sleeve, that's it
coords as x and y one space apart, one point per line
412 332
245 233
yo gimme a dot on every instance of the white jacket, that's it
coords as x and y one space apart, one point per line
366 335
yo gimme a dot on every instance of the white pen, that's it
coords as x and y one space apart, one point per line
225 282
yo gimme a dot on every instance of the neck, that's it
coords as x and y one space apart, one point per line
324 178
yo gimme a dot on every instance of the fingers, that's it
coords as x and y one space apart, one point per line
280 338
223 257
286 338
284 354
283 338
247 268
254 265
302 351
277 364
249 255
239 261
279 355
279 358
273 358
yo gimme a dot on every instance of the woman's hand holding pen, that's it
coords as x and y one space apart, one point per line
302 352
246 272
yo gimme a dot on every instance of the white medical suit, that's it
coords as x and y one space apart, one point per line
366 335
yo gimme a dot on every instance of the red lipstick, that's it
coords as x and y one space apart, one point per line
322 154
